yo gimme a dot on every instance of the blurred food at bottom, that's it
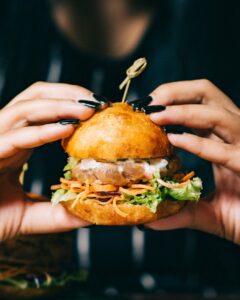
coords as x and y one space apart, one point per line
37 266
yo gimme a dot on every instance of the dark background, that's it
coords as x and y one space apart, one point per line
188 40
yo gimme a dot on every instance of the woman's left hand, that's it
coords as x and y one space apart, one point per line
215 120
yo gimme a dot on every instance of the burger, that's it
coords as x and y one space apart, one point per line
122 170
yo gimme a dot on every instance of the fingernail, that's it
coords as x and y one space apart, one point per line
67 122
101 99
90 104
152 109
141 227
173 129
139 103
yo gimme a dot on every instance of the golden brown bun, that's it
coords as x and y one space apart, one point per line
98 214
118 132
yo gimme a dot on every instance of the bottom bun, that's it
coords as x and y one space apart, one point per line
98 214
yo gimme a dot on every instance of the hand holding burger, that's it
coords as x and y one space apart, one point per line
30 120
215 121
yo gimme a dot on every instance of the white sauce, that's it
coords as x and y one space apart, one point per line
150 166
155 166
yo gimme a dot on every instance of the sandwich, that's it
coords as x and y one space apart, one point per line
122 170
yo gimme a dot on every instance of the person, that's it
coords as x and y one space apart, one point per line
195 104
90 44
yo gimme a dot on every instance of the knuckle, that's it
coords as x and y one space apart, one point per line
41 136
38 84
167 89
205 84
163 93
226 159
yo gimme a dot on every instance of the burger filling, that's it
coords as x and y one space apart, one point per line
139 182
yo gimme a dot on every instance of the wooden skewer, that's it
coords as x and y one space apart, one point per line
135 70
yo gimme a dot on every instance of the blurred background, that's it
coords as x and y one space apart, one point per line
91 43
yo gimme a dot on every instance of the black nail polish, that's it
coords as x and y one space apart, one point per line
173 129
101 99
152 109
67 122
141 101
90 104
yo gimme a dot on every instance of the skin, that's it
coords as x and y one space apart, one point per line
106 28
215 121
28 121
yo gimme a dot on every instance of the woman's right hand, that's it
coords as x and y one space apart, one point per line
28 121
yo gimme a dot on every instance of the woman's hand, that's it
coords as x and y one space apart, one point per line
28 121
216 122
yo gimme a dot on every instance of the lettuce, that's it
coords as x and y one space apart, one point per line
72 162
62 195
68 175
149 199
190 192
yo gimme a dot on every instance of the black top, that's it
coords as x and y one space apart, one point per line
187 40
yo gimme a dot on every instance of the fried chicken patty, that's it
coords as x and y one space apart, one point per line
125 172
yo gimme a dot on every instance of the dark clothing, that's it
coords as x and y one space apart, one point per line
187 40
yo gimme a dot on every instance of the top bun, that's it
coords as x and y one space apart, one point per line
118 132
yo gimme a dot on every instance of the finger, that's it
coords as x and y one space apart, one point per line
31 137
28 112
214 151
195 91
45 90
44 218
200 216
15 162
223 123
183 219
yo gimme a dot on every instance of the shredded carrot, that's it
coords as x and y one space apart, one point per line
104 187
188 176
78 198
55 187
75 190
64 186
142 186
132 192
116 208
172 185
66 181
75 184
